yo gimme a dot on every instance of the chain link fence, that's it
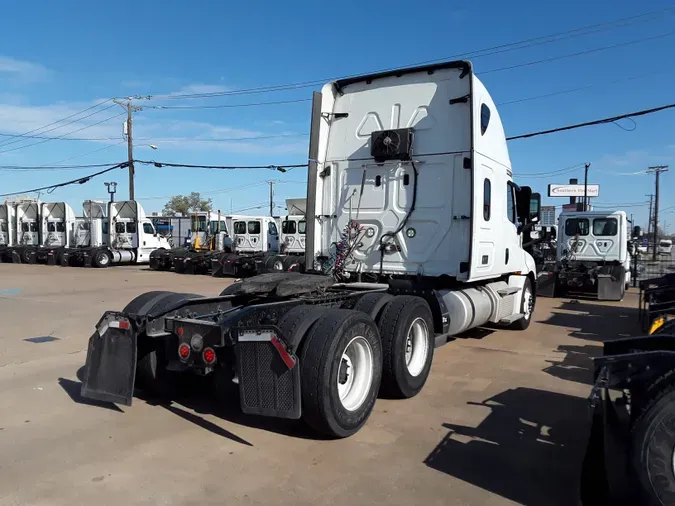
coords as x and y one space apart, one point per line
645 266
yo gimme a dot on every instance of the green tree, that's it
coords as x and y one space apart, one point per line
186 204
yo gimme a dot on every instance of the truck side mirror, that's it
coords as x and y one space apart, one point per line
535 207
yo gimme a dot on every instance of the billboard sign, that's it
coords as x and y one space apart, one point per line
572 190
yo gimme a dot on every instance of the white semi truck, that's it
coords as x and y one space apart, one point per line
123 235
593 255
27 216
414 234
7 230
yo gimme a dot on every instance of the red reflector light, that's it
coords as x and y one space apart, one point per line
209 356
179 331
183 351
288 359
124 324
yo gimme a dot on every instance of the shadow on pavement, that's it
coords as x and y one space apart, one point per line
199 395
529 448
596 322
576 364
72 388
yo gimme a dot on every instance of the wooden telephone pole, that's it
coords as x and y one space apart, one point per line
657 170
130 108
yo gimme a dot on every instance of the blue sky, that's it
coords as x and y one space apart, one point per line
58 58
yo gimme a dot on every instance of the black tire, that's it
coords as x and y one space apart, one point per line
289 260
26 255
277 264
101 259
403 378
373 304
524 322
322 365
653 444
295 324
151 373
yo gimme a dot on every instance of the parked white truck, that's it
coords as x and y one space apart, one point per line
414 234
7 230
27 216
123 235
593 255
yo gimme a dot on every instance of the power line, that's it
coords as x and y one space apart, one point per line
581 88
80 180
578 53
25 134
551 173
21 137
74 131
280 168
223 106
52 167
220 139
594 122
512 46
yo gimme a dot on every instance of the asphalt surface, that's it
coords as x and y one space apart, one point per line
502 419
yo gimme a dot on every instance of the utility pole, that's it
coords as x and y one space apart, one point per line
130 108
271 197
657 170
588 165
649 222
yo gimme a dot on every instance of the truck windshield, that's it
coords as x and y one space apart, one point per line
665 244
302 227
33 226
3 226
605 226
51 227
576 226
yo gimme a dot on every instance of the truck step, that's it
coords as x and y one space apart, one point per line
509 290
511 319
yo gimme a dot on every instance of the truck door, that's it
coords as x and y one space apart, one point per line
149 241
272 236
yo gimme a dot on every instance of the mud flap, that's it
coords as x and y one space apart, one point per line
110 369
546 281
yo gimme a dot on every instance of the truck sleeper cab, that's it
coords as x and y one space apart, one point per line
414 233
593 254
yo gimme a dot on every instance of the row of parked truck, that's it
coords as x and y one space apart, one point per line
108 233
237 245
49 232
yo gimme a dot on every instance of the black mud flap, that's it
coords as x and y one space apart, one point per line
110 370
546 281
269 375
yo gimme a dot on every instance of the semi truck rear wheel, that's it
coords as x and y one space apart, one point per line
407 329
101 259
341 363
653 449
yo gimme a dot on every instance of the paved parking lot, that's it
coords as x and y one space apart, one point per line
502 419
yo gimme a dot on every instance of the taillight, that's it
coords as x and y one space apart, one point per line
120 324
209 356
183 351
